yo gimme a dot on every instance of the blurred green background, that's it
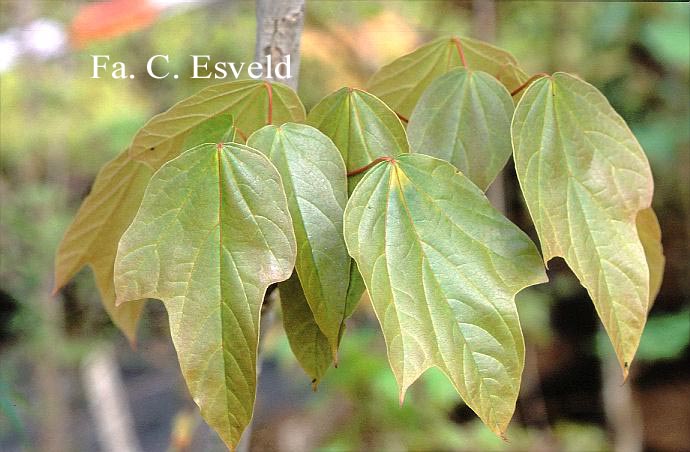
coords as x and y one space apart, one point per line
58 126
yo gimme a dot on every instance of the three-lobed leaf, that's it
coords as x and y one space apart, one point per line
585 178
93 236
463 117
442 268
315 182
213 232
401 83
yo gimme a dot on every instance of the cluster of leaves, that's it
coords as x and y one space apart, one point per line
236 189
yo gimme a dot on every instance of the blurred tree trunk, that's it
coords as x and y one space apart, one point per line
279 26
108 403
621 409
52 394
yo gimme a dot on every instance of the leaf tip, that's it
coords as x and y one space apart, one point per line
315 384
132 339
626 371
401 398
500 430
334 353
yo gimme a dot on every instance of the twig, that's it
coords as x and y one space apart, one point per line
373 163
528 82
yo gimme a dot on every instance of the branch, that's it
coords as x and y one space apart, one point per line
279 27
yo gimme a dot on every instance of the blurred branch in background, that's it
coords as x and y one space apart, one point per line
279 25
50 381
622 413
108 401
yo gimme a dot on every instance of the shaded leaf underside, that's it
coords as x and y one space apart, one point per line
93 236
252 103
401 83
649 232
463 117
307 342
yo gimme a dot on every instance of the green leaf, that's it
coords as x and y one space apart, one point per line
442 268
253 103
361 126
463 117
315 183
93 236
649 232
212 233
308 343
401 83
585 178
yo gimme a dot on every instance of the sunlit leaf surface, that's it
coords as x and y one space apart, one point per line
361 126
585 178
442 268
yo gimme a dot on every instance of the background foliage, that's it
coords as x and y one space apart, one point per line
58 127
